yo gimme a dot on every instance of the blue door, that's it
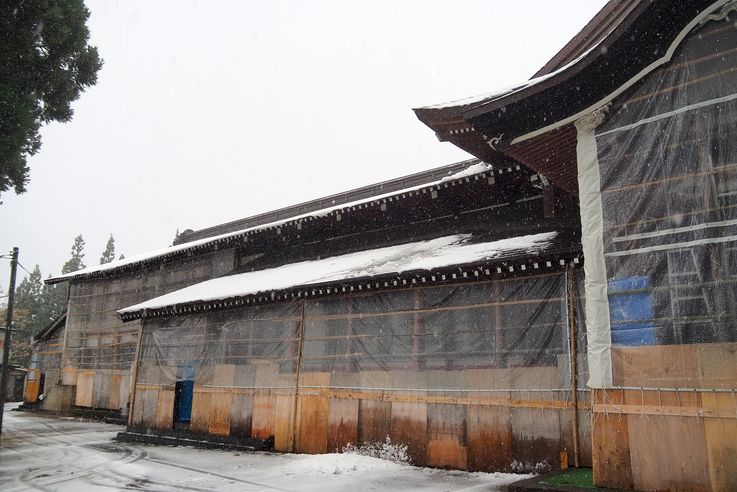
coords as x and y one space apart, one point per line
183 392
183 400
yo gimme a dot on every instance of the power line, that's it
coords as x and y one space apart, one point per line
24 268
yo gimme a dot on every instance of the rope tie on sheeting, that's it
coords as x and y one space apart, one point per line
660 404
680 407
699 412
642 404
716 409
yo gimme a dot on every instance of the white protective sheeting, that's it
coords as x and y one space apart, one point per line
598 329
418 256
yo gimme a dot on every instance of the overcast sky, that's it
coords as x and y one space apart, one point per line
210 111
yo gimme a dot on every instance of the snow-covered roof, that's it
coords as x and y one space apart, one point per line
118 265
499 93
448 251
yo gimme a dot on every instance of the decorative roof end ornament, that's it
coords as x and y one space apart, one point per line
722 13
590 121
495 141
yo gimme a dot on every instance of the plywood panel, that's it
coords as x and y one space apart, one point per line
85 383
657 366
409 426
264 402
584 431
721 441
101 390
718 365
489 427
447 440
113 399
150 405
312 414
611 459
137 417
30 394
489 438
536 437
374 420
283 418
220 404
165 409
342 424
223 375
69 376
267 375
200 419
221 401
312 426
124 391
262 424
489 379
537 377
241 410
668 453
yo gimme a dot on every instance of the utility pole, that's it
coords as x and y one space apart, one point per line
6 343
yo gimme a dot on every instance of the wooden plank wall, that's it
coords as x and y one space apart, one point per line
102 389
479 432
667 440
475 431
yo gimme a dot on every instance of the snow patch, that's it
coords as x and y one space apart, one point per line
339 464
387 450
424 255
499 93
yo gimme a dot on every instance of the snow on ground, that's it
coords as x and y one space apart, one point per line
44 453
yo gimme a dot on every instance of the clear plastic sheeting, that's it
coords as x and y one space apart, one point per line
49 353
441 368
668 168
194 347
503 324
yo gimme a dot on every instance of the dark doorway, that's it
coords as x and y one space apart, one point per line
183 401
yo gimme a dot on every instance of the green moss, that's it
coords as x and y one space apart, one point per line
576 477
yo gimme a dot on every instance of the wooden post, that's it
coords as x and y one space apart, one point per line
134 375
293 438
419 359
571 304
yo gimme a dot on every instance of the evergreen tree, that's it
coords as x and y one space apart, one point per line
122 256
45 64
28 316
20 343
75 262
109 254
53 301
28 292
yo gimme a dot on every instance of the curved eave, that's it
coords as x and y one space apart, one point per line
643 39
636 41
544 262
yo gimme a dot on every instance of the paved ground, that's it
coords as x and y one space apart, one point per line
42 453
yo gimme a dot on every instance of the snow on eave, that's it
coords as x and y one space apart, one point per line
513 89
422 256
120 265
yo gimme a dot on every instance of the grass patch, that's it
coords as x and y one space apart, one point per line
576 477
